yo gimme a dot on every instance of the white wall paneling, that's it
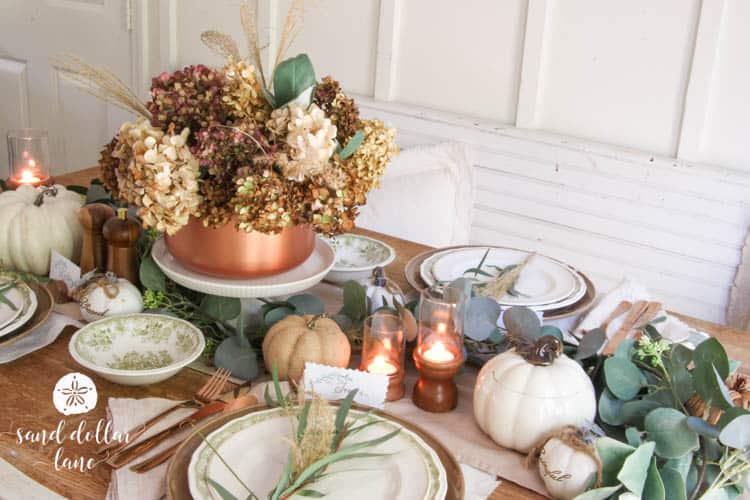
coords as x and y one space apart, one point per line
14 106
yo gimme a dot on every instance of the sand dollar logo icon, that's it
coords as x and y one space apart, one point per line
75 393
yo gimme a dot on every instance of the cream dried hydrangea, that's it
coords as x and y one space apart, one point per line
162 175
311 138
370 159
243 94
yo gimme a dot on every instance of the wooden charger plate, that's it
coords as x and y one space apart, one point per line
45 303
413 276
177 473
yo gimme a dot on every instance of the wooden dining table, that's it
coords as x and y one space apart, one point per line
26 386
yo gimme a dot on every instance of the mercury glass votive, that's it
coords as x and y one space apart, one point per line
28 158
439 352
383 346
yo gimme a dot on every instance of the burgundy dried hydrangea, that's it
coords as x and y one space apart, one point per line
341 109
191 97
221 152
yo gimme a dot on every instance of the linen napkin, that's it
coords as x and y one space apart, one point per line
125 414
44 335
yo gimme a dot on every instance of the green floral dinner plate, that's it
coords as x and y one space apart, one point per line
256 447
137 349
357 256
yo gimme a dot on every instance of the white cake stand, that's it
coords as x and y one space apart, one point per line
302 277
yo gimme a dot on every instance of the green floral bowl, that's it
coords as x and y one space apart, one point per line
357 256
137 349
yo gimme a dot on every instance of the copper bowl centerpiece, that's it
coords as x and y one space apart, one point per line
231 253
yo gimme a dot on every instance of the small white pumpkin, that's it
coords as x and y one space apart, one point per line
33 221
567 470
110 298
518 403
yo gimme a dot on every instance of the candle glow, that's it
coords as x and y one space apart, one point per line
380 365
438 353
28 177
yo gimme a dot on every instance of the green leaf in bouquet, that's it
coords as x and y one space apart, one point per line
344 321
736 434
610 408
668 428
302 420
275 315
625 349
662 396
612 454
673 483
352 145
634 412
97 194
653 489
355 300
307 304
481 317
680 465
710 385
623 377
703 428
730 414
599 493
635 468
522 322
633 436
590 343
341 414
711 352
151 276
292 77
552 331
221 308
82 190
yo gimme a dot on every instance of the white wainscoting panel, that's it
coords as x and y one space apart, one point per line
14 105
674 226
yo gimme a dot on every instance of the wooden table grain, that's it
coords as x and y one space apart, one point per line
26 385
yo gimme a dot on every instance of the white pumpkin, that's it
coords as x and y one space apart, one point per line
110 299
565 470
518 403
33 223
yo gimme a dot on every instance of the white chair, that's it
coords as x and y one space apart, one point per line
426 195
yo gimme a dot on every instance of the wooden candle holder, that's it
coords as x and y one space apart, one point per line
435 391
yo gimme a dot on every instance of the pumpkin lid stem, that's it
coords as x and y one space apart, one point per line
311 323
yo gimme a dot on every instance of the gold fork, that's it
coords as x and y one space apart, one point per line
211 390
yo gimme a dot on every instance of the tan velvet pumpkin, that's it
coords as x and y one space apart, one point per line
295 340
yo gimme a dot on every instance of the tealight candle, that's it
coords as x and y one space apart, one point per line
439 355
383 351
28 158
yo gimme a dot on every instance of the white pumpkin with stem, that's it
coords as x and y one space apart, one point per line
33 222
531 390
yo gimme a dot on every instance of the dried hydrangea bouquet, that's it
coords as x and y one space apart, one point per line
250 153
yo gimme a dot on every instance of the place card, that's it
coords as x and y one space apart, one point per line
63 269
334 383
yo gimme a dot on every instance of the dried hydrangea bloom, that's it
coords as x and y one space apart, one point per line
340 108
266 201
368 162
221 151
111 167
191 97
162 179
330 211
311 140
242 93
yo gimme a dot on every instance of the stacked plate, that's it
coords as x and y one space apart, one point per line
545 284
17 311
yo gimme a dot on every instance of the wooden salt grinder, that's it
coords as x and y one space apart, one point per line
122 233
94 251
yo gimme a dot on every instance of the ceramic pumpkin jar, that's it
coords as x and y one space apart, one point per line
295 340
33 222
568 463
517 402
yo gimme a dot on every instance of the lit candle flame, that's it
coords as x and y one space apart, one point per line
380 365
28 177
438 353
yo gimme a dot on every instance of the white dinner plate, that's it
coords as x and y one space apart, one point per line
256 447
543 282
15 297
27 311
308 274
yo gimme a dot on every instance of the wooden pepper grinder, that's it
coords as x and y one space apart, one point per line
94 251
122 233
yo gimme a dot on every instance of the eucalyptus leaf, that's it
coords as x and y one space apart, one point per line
552 331
344 321
221 308
623 377
703 428
463 284
599 493
522 322
633 436
355 301
612 454
625 349
291 78
151 276
736 434
710 385
481 318
680 465
635 468
634 412
82 190
654 487
275 315
97 194
610 408
668 428
711 352
730 414
590 343
352 145
242 361
307 304
674 484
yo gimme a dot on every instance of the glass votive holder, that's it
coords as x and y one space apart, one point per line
439 352
383 345
28 158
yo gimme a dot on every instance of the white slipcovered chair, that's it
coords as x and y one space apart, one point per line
426 196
